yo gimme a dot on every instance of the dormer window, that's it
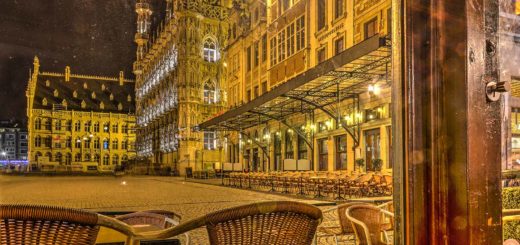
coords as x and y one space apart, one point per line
119 106
101 105
210 50
83 104
47 83
111 97
75 94
44 101
64 103
129 98
103 87
56 93
93 95
85 86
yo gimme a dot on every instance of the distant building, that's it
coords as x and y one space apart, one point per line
13 142
75 119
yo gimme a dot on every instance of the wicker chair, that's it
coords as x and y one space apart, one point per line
368 224
336 223
259 223
36 224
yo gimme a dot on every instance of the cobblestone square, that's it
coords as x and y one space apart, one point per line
129 193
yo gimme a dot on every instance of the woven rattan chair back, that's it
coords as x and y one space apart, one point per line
367 223
31 224
344 222
264 223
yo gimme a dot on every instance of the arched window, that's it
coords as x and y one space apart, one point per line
210 50
105 159
96 158
38 124
37 155
106 127
105 144
38 141
210 95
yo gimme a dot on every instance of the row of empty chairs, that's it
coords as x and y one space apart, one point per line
337 185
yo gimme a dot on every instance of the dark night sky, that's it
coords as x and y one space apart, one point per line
94 37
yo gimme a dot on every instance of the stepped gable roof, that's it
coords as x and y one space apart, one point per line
84 86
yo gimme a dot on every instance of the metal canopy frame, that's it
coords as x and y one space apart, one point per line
325 87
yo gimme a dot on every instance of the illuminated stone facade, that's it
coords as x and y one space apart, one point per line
80 119
262 44
300 35
179 75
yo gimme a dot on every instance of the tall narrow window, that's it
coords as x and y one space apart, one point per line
321 14
264 48
290 39
341 152
339 45
210 50
323 153
281 46
302 148
300 33
38 124
322 54
209 140
209 93
248 56
371 28
273 51
339 8
289 149
256 91
256 54
264 87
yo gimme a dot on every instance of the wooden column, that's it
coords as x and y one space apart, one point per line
447 135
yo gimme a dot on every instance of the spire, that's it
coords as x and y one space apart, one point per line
121 78
144 12
36 64
67 73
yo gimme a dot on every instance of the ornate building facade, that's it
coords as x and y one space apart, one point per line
76 120
260 47
272 43
179 78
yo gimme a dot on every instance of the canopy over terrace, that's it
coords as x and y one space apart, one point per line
325 87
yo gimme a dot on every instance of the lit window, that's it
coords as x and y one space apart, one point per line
209 140
210 50
209 93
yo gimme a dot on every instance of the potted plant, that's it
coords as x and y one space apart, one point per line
360 163
378 164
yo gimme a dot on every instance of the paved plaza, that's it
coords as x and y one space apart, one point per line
188 199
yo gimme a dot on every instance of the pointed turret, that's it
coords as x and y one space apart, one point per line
36 64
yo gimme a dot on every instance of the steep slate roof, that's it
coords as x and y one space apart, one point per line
66 89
